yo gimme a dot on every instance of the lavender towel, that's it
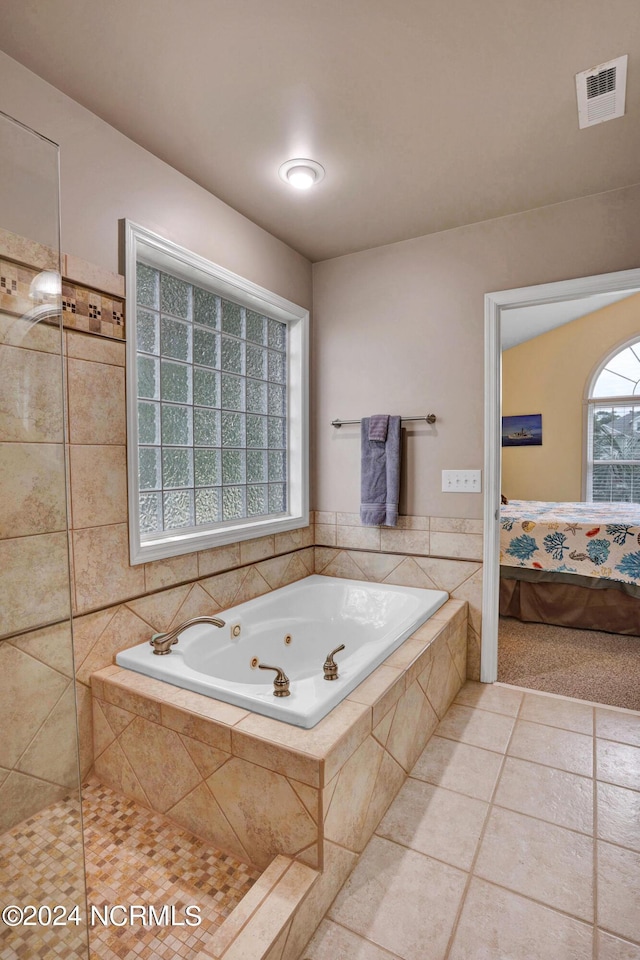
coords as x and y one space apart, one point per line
378 426
380 476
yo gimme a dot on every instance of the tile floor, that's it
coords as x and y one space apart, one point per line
132 856
516 837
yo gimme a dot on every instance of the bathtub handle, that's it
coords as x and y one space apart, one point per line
281 682
330 666
162 642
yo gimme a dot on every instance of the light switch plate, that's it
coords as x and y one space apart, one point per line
462 481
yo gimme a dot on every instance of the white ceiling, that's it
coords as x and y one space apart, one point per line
427 114
520 324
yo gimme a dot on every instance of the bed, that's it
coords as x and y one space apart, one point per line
571 564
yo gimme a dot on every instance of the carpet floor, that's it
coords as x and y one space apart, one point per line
602 667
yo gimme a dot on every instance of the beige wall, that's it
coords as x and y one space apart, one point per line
400 329
104 177
549 375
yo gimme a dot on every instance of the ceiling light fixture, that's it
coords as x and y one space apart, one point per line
301 174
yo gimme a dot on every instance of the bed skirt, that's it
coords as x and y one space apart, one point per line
570 601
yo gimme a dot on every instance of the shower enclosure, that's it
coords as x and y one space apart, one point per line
42 871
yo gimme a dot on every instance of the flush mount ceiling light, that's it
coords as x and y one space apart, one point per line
301 174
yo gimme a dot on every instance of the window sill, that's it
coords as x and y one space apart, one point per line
176 544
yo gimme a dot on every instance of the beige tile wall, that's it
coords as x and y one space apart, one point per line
38 754
439 553
38 760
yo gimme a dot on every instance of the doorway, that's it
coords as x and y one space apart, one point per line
499 308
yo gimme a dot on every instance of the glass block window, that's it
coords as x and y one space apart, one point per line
613 453
216 406
212 406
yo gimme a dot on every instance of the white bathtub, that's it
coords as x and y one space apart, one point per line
318 614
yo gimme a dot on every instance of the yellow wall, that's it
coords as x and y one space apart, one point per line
549 375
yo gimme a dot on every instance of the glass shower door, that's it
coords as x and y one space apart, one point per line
42 873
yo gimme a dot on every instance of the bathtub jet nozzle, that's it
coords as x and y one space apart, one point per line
330 666
281 682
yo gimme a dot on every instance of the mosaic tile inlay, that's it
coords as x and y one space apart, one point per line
133 856
82 309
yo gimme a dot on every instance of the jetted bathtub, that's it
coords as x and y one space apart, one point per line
294 628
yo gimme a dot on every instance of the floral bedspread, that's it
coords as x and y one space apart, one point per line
592 539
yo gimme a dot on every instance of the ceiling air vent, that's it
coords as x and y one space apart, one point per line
601 92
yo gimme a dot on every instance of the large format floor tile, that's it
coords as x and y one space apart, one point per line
331 942
476 727
458 766
557 712
619 891
549 794
618 763
613 948
618 725
619 815
502 844
401 900
434 821
491 697
552 746
497 924
539 860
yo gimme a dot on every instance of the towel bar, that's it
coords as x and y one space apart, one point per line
430 418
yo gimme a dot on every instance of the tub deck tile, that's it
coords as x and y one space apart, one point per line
414 656
136 686
380 690
273 756
200 728
455 611
127 698
333 739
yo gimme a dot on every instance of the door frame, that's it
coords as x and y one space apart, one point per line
494 304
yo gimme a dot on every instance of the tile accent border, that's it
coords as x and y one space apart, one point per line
91 312
83 309
92 297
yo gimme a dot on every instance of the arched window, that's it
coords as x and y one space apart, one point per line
613 446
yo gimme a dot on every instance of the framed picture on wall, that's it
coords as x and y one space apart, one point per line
523 431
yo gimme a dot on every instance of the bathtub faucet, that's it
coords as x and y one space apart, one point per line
330 666
281 682
162 642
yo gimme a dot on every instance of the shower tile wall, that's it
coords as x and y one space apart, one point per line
38 761
36 664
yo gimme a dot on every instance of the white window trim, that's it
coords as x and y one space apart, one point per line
141 243
590 403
